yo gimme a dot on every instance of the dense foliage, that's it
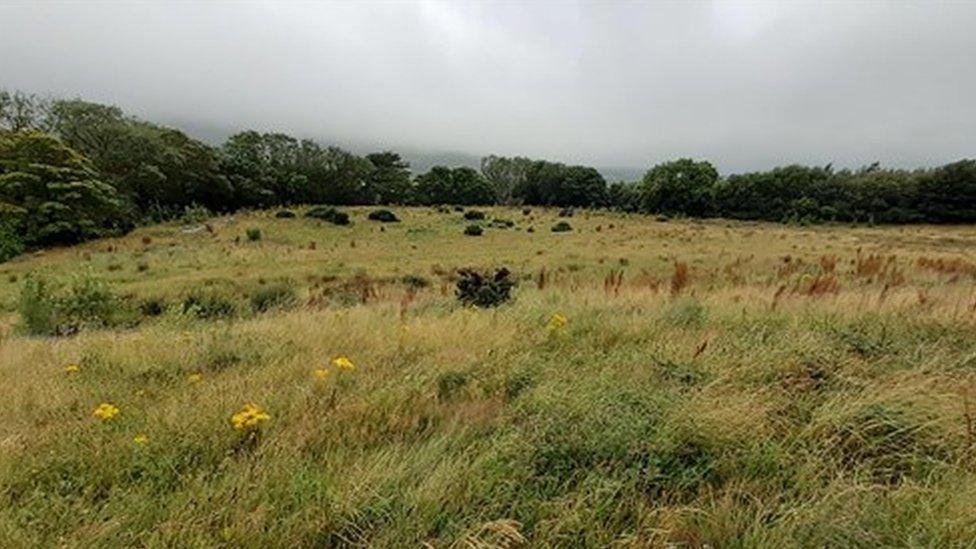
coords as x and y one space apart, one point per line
71 170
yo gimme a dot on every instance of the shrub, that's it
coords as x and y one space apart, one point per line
384 216
285 214
253 234
503 223
10 243
526 211
566 212
195 214
473 230
474 215
484 289
561 227
329 214
277 296
86 302
209 305
152 306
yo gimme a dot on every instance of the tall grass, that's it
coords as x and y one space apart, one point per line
703 418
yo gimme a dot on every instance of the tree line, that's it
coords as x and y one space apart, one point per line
72 170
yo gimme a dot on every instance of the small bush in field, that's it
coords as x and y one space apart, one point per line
195 214
209 305
277 296
474 215
329 214
562 227
383 216
253 234
484 289
473 230
566 212
502 223
285 214
48 309
152 306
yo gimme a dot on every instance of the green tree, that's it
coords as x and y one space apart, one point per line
681 186
948 194
505 175
51 193
389 180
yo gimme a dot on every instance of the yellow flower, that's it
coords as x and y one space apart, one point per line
72 369
141 439
105 411
343 363
195 378
321 373
557 322
250 417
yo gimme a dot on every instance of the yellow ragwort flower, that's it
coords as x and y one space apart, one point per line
141 439
195 378
557 322
72 369
105 411
343 363
321 373
250 417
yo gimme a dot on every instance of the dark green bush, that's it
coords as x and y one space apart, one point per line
276 296
152 306
561 227
502 223
473 230
285 214
384 216
253 234
11 244
484 289
329 214
566 212
474 215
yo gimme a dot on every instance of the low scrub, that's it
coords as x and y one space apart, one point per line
562 227
326 213
484 289
383 216
275 296
48 308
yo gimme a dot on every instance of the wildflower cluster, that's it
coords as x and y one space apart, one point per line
249 418
105 411
343 363
557 323
72 368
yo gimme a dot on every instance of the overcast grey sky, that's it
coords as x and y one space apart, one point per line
747 85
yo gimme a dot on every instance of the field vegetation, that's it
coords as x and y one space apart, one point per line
269 380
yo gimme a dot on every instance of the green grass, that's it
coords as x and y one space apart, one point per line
748 410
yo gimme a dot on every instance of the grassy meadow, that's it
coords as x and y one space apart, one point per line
715 383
